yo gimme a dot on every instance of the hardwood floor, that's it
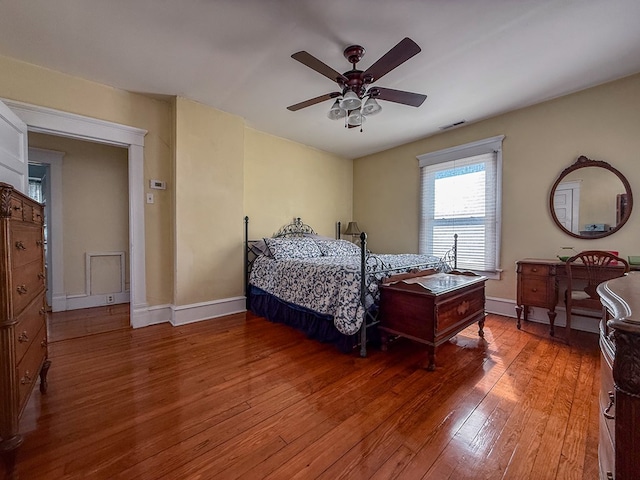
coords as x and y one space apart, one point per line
239 397
87 321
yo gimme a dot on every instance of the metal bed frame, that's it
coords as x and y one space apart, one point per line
372 268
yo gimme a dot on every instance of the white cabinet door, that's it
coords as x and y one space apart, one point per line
14 167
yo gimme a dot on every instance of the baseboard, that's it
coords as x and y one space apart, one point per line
196 312
145 316
76 302
151 315
59 303
507 308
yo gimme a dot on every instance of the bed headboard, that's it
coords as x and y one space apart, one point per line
294 229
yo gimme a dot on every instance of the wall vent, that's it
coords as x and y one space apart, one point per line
454 124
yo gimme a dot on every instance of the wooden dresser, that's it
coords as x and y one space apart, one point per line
619 444
23 329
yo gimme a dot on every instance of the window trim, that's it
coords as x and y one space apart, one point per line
487 145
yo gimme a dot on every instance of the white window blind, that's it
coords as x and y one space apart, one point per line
461 195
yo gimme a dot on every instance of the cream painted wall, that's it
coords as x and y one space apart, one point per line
284 180
95 198
601 123
209 168
32 84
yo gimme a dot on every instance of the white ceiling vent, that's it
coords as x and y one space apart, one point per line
454 124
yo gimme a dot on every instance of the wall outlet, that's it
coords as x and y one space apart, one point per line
111 299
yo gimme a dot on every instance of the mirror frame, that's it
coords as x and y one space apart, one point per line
583 162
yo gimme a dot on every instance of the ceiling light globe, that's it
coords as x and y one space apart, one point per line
350 101
356 118
371 107
336 113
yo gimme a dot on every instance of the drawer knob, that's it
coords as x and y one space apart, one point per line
534 290
39 243
42 311
44 343
609 476
20 245
21 289
41 276
23 337
26 378
534 269
612 399
17 207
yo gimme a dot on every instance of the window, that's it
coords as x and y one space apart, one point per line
461 194
35 189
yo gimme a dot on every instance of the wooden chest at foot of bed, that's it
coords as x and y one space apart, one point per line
431 309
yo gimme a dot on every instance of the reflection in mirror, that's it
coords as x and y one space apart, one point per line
590 199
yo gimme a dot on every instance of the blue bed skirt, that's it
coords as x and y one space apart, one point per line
314 325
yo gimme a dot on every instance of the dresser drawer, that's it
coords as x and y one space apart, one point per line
26 244
28 282
16 208
29 324
29 366
535 291
534 269
32 212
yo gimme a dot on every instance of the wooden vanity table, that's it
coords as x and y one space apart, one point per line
619 399
538 282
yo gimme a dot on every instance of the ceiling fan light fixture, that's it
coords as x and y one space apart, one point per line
350 101
335 112
371 107
355 118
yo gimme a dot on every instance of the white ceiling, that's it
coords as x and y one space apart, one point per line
479 57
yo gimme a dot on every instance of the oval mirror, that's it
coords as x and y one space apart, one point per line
590 199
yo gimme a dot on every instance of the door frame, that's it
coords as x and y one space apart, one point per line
53 213
56 122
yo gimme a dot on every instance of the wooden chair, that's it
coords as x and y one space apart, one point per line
585 271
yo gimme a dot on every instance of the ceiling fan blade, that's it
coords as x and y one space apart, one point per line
315 64
399 54
313 101
398 96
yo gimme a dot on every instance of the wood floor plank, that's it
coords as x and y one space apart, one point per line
489 460
368 456
435 440
241 397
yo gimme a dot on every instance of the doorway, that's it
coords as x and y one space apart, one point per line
54 122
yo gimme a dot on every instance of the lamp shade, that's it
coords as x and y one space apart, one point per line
371 107
350 101
355 118
336 113
352 229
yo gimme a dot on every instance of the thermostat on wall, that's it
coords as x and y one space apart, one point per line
157 184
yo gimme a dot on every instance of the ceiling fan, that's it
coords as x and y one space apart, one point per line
355 85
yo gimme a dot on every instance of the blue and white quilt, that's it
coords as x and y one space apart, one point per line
330 284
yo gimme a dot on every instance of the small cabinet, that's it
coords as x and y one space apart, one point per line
536 287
